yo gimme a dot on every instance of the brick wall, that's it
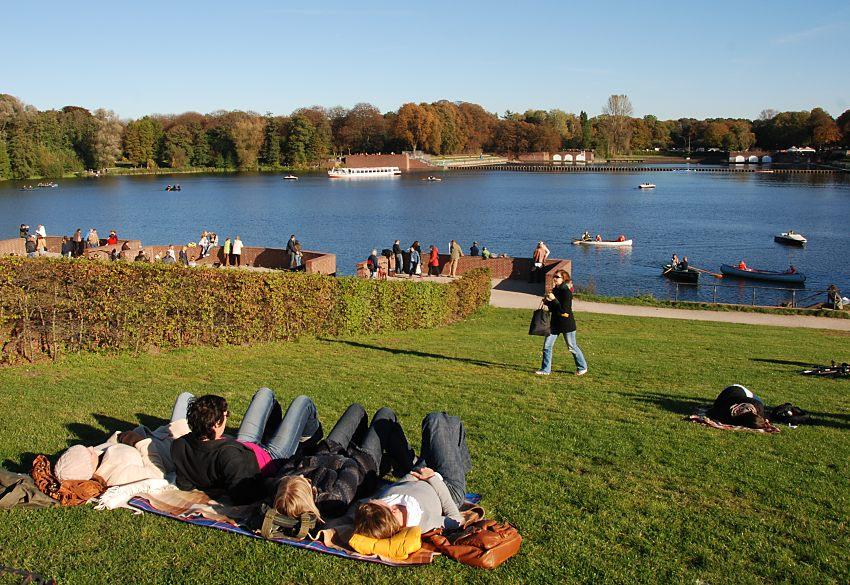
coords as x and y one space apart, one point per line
402 161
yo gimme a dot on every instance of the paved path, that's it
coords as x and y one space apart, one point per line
521 296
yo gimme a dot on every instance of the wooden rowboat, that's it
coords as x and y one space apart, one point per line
604 243
687 276
770 275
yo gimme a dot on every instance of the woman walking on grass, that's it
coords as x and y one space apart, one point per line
560 303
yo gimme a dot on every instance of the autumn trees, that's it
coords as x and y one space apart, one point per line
56 142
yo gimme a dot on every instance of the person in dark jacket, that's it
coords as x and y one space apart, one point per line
207 460
344 467
560 303
372 264
737 405
292 252
399 258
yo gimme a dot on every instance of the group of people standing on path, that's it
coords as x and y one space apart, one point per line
72 246
413 266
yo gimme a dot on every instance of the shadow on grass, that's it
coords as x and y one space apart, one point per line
782 362
423 354
681 406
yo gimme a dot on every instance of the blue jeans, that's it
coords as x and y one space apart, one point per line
384 440
181 405
570 338
299 425
444 450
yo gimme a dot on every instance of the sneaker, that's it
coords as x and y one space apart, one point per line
581 372
542 373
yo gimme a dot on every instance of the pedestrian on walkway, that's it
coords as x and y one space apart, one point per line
237 252
226 251
399 258
414 262
560 303
454 253
292 252
434 261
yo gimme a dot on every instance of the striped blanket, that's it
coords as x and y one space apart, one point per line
199 509
702 418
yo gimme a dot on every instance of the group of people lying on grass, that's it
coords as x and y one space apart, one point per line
282 459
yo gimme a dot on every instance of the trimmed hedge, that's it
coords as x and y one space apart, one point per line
50 306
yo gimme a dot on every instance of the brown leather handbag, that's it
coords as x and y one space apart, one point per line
485 544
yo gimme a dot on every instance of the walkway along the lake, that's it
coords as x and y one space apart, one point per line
519 297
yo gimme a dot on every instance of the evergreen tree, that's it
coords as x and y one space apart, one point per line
5 165
586 131
270 153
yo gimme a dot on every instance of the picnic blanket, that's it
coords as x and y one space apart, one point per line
199 509
702 418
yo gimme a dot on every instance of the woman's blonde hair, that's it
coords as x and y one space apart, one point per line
375 520
295 497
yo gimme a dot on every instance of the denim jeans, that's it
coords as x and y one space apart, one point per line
181 405
399 264
383 436
444 450
300 424
570 338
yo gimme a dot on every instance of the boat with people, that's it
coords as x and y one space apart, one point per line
290 178
790 276
646 186
586 240
432 178
790 238
50 185
363 172
687 276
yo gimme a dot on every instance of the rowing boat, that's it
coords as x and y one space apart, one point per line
770 275
604 243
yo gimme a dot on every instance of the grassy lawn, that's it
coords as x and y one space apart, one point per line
600 473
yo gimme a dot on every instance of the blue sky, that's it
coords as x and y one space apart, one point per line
672 58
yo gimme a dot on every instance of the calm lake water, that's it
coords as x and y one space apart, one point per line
710 217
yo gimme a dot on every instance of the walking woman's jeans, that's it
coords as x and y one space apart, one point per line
444 450
299 424
570 338
383 436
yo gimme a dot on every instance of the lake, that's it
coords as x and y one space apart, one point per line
710 217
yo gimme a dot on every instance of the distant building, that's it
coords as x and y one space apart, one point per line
752 157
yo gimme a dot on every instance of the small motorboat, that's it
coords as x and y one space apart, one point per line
688 275
770 275
432 179
646 186
790 238
290 178
605 243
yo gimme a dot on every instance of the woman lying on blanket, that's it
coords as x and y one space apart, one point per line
428 497
740 407
344 467
207 460
127 456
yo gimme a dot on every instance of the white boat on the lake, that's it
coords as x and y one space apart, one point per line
290 178
646 186
790 238
604 243
363 172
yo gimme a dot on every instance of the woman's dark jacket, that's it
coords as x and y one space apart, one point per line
735 394
561 308
339 475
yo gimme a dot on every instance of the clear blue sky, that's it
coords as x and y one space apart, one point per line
672 59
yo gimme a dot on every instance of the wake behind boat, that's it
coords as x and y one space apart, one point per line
363 172
769 275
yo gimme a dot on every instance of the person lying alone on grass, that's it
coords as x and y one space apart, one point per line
344 467
207 460
430 495
127 456
736 405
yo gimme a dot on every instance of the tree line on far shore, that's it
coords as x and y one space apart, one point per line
55 143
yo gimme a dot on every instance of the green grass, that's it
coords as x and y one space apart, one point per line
600 473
